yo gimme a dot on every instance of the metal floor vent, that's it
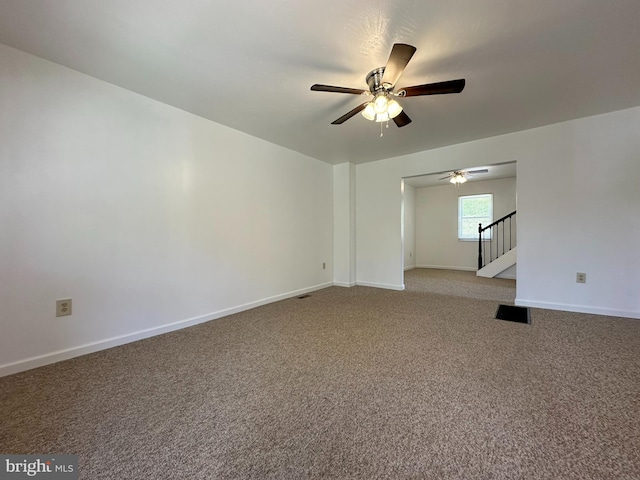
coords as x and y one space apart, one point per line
306 295
512 313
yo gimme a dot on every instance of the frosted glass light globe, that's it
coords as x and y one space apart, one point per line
394 109
369 113
380 104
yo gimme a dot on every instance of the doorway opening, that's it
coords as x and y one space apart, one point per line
431 216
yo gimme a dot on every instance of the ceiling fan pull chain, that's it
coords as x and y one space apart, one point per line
381 134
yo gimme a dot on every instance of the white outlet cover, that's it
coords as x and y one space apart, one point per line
63 307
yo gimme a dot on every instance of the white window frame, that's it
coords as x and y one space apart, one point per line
474 238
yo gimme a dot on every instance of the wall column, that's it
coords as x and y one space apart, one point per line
344 224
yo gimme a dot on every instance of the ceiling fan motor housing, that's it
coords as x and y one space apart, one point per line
374 80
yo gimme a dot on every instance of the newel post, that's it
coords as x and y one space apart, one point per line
480 246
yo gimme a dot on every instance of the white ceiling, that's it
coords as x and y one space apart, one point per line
249 64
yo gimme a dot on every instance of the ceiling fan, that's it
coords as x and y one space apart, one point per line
460 176
382 83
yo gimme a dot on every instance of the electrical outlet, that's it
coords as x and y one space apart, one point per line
324 266
581 277
63 307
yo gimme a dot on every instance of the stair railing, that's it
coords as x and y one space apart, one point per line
500 228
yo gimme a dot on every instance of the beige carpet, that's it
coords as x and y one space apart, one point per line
349 383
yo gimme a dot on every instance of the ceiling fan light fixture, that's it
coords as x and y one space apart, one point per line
457 178
370 112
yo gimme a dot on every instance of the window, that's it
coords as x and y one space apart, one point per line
472 210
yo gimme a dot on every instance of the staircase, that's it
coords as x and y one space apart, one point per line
496 246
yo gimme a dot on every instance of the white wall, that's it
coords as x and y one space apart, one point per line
578 201
437 244
143 214
409 226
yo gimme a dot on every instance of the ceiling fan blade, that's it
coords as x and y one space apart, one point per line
330 88
350 114
448 176
400 55
482 170
439 88
402 119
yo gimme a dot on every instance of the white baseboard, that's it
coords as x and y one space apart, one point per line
345 284
72 352
577 308
381 285
447 267
410 267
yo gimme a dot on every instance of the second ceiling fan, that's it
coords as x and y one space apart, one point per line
461 176
382 82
